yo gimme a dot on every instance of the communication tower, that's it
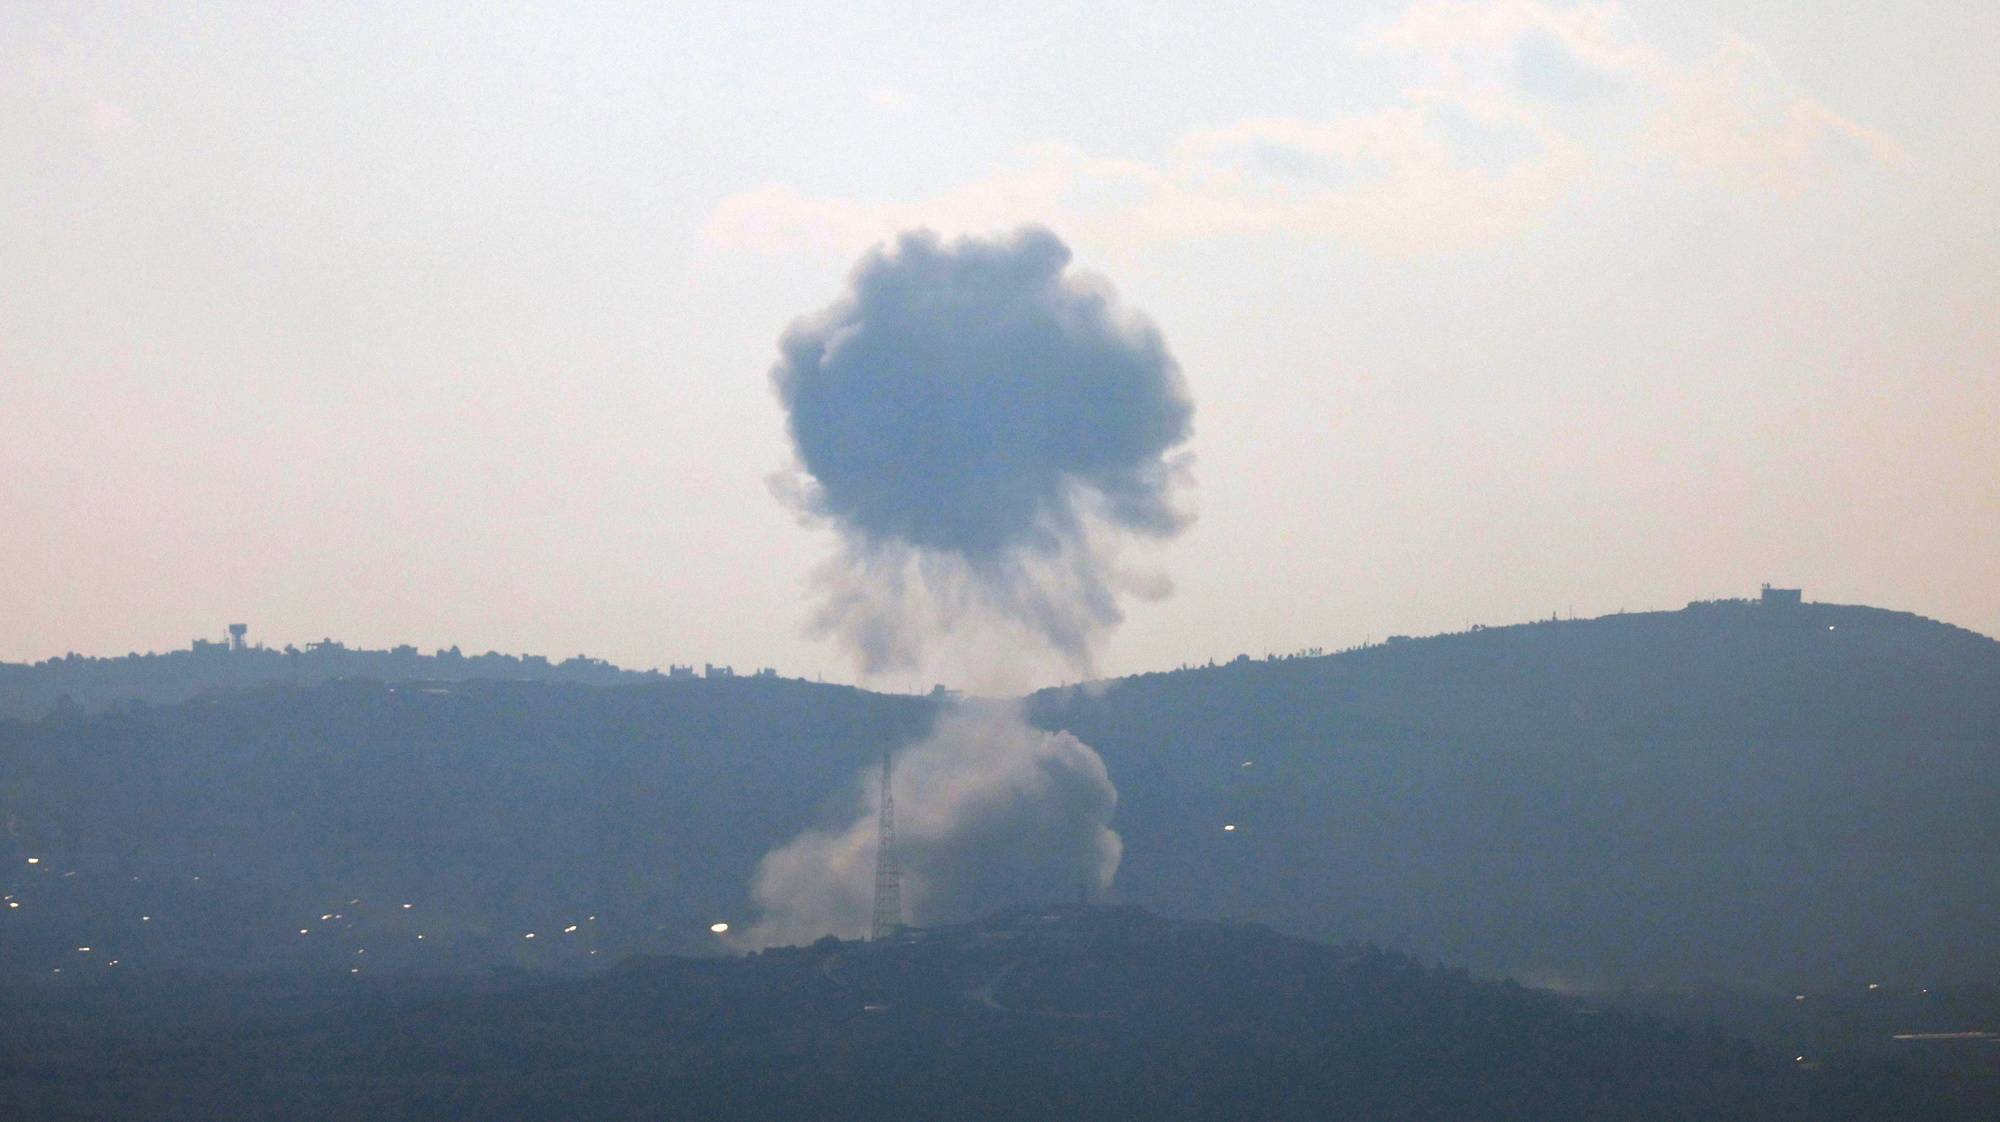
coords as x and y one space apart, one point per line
888 875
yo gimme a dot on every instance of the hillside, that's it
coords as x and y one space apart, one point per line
1073 1013
231 831
1733 794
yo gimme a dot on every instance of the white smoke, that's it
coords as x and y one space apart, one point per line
990 812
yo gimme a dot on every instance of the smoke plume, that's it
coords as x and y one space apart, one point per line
990 813
982 428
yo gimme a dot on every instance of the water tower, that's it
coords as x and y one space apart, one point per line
236 632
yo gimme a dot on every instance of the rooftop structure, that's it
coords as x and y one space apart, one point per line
1781 597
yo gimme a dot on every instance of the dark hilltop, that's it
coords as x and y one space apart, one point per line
73 683
1082 1013
1755 792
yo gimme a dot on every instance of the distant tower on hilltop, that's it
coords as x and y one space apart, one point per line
888 875
236 633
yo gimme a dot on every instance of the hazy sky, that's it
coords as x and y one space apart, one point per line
453 324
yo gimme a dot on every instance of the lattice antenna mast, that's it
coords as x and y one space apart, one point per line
888 874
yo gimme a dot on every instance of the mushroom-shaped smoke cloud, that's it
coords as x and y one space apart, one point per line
981 427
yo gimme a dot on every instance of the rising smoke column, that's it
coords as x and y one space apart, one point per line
982 430
991 813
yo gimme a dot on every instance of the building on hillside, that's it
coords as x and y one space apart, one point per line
1782 597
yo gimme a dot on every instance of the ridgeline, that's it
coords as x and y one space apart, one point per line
1750 795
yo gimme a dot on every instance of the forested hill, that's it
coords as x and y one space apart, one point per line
301 825
1071 1013
1735 790
1740 793
77 682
